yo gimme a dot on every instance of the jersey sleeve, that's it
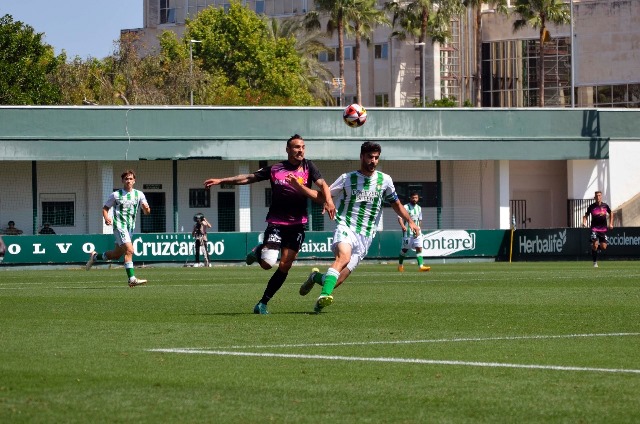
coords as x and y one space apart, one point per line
390 194
143 199
111 200
263 173
314 172
338 185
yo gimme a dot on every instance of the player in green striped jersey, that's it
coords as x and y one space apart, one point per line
360 195
125 203
409 240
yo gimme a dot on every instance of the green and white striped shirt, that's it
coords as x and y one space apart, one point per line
415 212
360 200
125 208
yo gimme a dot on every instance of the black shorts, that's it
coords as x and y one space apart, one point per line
600 236
289 236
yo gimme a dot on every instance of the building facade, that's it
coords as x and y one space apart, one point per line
603 71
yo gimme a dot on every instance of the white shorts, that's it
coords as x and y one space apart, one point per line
359 244
411 242
121 236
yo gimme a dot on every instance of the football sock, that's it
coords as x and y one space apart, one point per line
420 260
318 278
594 255
401 258
330 280
274 284
128 266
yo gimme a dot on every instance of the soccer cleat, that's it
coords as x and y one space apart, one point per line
595 264
133 281
400 268
91 261
425 268
306 287
322 302
251 257
260 308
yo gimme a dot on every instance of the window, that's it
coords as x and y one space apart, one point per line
381 51
259 7
382 100
616 95
58 209
167 14
199 198
428 192
510 73
332 55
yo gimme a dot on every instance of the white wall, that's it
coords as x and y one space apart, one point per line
625 175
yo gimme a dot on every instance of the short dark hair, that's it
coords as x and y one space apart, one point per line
370 147
414 193
294 137
11 223
127 172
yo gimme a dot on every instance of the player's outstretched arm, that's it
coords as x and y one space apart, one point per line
237 180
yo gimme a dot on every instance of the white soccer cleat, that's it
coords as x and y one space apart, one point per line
133 282
595 264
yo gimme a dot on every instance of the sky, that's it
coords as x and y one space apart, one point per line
81 27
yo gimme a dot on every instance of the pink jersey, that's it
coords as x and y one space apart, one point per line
288 206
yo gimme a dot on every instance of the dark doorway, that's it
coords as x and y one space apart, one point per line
157 221
226 211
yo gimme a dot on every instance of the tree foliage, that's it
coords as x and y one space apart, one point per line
239 62
25 63
236 47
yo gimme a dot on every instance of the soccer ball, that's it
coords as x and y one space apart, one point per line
354 115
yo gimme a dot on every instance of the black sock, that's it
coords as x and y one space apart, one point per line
594 255
275 282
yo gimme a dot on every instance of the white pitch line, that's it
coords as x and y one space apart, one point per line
399 360
454 340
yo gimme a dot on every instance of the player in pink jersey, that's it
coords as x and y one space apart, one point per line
287 214
598 212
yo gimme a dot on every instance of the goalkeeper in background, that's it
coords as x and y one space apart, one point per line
409 240
125 203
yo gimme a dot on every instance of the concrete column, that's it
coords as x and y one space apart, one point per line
106 187
244 200
503 194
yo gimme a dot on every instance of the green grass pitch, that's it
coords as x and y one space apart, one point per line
552 342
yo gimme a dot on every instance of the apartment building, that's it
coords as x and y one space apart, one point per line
605 51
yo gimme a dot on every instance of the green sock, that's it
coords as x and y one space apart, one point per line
317 278
330 281
420 259
128 266
400 259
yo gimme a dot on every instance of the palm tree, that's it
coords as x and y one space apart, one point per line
422 19
500 6
537 13
335 10
308 46
364 16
